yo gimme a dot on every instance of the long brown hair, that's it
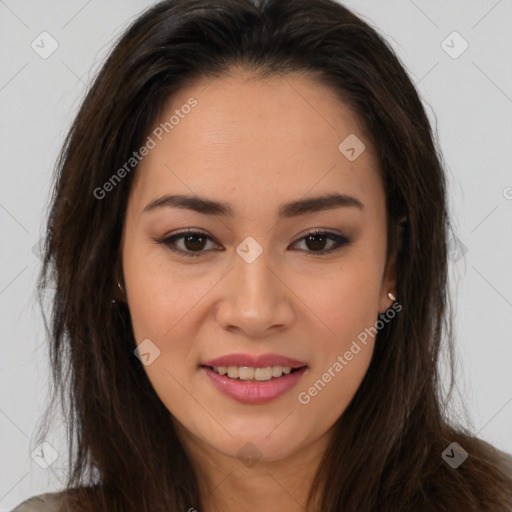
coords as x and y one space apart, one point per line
124 455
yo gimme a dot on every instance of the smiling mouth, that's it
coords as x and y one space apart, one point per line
258 374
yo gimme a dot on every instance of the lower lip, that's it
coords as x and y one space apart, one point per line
252 391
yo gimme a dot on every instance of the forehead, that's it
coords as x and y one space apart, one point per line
261 138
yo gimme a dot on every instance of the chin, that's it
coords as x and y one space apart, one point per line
257 443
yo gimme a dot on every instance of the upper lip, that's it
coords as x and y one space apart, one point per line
254 361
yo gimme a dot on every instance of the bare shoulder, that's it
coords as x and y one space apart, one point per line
48 502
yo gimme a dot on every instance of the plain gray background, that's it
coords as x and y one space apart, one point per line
469 99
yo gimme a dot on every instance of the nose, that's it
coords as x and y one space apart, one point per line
256 300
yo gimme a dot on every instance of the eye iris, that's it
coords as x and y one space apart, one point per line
194 247
319 246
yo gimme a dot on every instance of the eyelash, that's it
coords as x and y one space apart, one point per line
168 241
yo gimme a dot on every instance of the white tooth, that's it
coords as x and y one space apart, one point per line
250 373
263 373
232 372
277 371
246 373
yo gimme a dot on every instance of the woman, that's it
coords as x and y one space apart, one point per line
249 244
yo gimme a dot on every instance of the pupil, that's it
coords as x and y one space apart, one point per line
316 246
192 237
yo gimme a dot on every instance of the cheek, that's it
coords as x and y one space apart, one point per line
159 307
159 297
164 319
347 303
328 393
348 307
168 320
342 359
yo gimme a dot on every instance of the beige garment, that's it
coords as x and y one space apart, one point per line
48 502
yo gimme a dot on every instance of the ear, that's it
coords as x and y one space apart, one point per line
389 279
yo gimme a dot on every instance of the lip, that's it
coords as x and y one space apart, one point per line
253 392
254 361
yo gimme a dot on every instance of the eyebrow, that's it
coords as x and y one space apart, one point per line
287 210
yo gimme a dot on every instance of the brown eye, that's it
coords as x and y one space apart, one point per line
193 243
316 241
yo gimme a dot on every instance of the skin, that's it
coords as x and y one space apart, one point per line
256 144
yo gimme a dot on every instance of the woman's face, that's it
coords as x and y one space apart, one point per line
256 284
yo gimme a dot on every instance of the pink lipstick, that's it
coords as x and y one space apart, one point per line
254 379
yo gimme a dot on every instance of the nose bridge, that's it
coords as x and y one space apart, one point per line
255 284
255 301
